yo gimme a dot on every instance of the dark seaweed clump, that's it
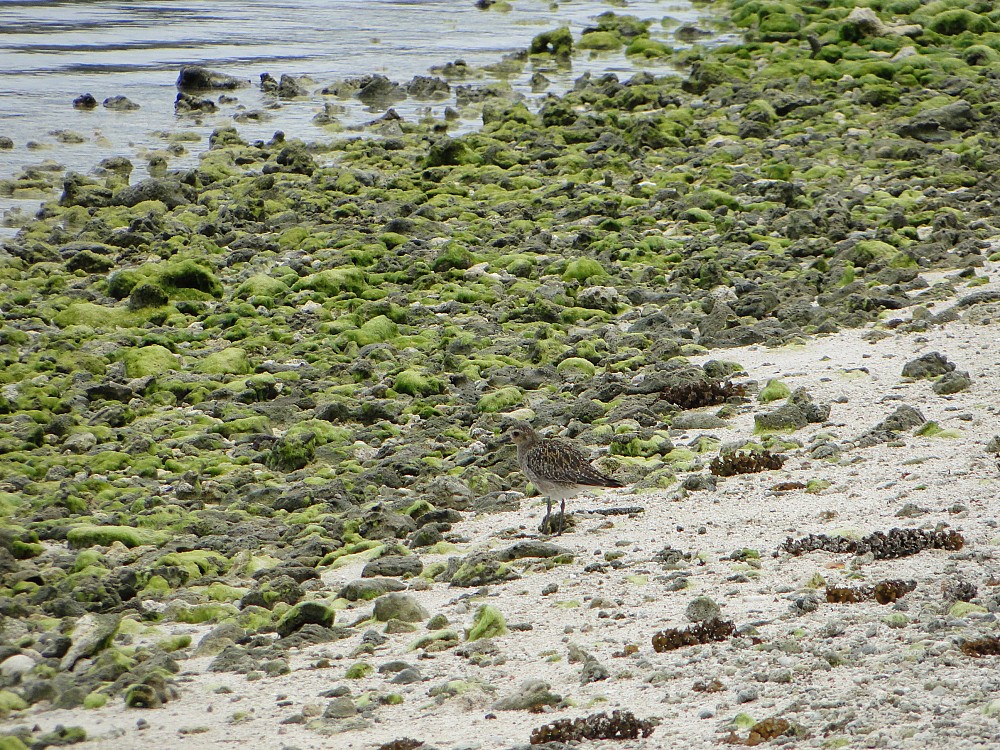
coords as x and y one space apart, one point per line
883 545
715 629
989 646
403 743
746 462
959 591
884 592
621 725
696 394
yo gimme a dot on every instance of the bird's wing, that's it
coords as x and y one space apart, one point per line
558 461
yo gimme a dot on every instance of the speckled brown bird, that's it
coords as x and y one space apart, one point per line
558 469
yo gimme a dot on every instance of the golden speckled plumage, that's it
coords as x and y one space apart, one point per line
557 468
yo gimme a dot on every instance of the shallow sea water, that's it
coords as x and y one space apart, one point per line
52 51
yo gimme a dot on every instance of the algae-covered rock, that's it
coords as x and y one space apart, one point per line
366 589
487 623
231 361
305 613
929 365
774 390
583 269
530 695
500 400
558 43
292 452
333 281
149 360
92 633
416 383
481 569
399 606
146 295
83 536
952 382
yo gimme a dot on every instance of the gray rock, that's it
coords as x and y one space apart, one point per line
369 588
593 671
449 492
406 676
702 608
14 666
929 365
92 633
952 382
531 548
198 78
394 666
599 298
696 421
788 416
530 694
169 192
340 708
396 566
234 659
813 412
219 638
80 442
700 482
397 606
120 103
305 613
904 418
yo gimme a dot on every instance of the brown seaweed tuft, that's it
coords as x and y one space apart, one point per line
715 629
403 743
698 394
988 646
884 592
883 545
746 462
621 725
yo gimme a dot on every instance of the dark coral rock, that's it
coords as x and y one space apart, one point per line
620 725
884 592
952 382
746 462
715 629
883 545
928 365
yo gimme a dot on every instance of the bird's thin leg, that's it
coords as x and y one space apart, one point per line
547 521
562 516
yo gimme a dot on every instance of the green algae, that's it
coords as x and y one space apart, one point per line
91 536
774 390
488 622
149 360
500 400
230 361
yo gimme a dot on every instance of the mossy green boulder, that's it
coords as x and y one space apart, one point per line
149 360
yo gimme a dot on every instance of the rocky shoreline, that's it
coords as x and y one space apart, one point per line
251 418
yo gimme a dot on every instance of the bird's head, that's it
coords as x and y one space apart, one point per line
520 433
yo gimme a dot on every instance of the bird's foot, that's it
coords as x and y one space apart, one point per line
555 523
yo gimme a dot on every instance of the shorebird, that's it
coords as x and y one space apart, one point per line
558 469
